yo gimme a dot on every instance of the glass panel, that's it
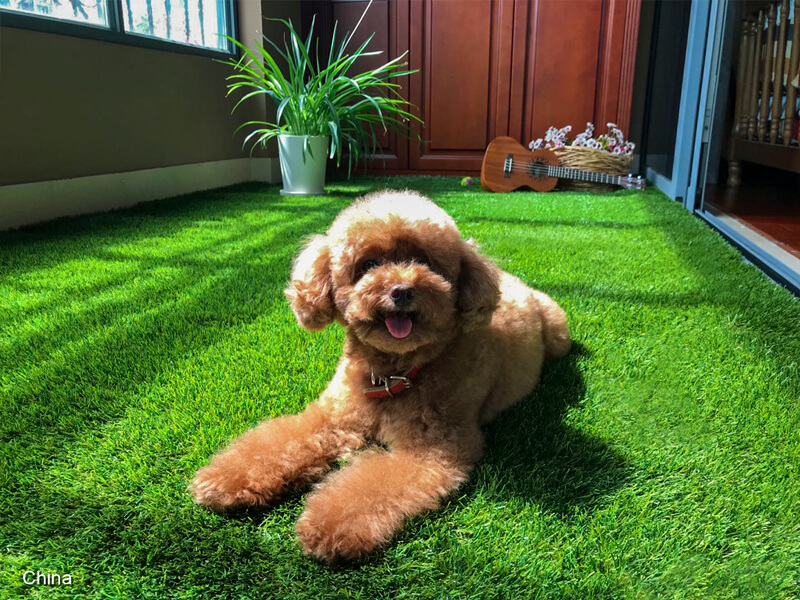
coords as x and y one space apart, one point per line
82 11
195 22
669 50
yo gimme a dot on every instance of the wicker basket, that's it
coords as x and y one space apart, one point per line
589 159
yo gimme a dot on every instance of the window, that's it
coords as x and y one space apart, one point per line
194 24
68 10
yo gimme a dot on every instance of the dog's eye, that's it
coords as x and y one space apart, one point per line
364 267
368 264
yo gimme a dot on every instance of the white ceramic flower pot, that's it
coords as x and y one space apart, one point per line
303 177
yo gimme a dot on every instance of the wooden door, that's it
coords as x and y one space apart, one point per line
579 64
516 67
458 49
489 68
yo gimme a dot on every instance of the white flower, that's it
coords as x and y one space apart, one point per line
612 142
551 134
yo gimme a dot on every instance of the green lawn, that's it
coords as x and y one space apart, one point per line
660 459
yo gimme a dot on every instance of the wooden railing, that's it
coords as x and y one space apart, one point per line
765 125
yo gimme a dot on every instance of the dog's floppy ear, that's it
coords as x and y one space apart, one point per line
310 289
478 287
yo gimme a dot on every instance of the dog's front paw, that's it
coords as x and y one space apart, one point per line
331 535
224 490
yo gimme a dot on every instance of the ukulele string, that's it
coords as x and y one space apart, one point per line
576 173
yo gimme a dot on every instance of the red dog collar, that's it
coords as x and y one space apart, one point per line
392 384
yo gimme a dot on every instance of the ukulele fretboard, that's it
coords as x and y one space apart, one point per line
567 173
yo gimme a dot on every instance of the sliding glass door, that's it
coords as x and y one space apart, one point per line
762 218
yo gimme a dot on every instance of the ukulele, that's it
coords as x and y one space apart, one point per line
508 166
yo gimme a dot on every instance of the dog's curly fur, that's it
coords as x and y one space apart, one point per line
479 334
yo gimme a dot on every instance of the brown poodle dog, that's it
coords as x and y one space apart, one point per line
438 342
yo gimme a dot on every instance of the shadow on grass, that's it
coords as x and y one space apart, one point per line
68 238
557 223
83 362
534 455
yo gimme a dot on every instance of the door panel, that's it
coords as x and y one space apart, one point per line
454 46
563 73
456 76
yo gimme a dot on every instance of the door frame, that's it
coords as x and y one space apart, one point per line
701 132
693 96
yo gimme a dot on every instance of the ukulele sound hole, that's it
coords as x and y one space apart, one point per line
537 169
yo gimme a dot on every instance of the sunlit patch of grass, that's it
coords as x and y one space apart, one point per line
659 459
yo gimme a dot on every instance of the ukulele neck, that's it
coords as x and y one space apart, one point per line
567 173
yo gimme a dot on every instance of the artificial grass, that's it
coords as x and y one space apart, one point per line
659 459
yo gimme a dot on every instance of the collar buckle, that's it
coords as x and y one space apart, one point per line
404 378
391 385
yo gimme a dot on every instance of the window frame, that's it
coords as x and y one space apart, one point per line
114 32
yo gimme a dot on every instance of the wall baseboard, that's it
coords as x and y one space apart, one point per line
28 203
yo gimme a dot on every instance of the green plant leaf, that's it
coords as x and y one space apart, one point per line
313 100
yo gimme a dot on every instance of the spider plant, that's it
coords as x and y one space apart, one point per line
323 100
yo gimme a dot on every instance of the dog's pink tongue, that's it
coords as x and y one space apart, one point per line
399 325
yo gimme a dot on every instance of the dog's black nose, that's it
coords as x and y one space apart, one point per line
402 294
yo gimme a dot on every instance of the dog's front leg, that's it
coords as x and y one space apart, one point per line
277 455
364 504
